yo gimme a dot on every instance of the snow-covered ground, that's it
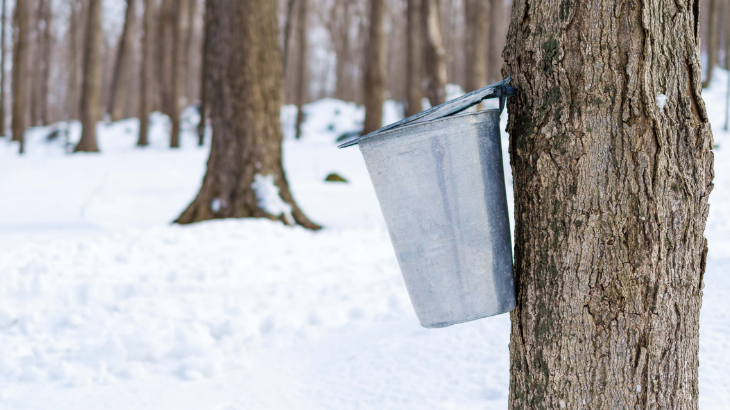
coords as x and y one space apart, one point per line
105 304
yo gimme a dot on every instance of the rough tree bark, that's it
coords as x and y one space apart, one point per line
302 66
475 15
376 68
123 66
2 71
435 54
245 96
610 148
713 41
498 18
147 77
19 63
91 86
414 45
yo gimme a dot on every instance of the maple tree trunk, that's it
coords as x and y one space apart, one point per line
245 96
414 45
610 148
376 68
19 72
435 54
91 86
204 81
123 66
302 66
179 21
46 59
147 76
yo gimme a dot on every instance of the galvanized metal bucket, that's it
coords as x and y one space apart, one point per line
440 184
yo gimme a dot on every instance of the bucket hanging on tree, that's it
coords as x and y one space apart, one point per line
439 179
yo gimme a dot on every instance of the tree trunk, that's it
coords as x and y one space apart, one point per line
123 68
2 71
147 76
73 69
245 96
179 21
339 28
498 17
476 44
204 79
91 87
726 31
376 68
302 83
712 42
435 55
610 148
165 46
414 44
45 53
19 73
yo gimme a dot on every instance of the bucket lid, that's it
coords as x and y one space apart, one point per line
497 90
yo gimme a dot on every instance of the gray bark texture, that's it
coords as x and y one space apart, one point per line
245 95
91 86
376 69
611 192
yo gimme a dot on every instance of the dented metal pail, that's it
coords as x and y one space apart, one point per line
440 185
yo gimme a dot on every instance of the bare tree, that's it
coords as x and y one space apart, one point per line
2 70
45 57
19 64
713 41
123 65
435 54
415 58
203 110
91 88
499 16
477 22
147 76
245 170
302 66
610 147
376 69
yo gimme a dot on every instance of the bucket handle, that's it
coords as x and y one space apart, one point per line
497 90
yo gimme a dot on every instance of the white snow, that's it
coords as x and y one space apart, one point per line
267 194
105 304
661 101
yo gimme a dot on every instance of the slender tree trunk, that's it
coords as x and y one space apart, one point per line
712 42
46 59
73 69
435 54
414 44
148 71
726 31
302 66
339 27
476 44
91 88
179 16
204 79
165 46
610 148
19 63
188 82
2 71
123 67
287 32
498 17
376 68
245 168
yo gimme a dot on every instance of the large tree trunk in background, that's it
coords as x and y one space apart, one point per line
46 59
203 110
19 58
3 80
302 66
376 68
245 97
91 88
435 55
123 67
611 188
414 45
712 41
73 69
147 76
179 18
475 15
498 18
